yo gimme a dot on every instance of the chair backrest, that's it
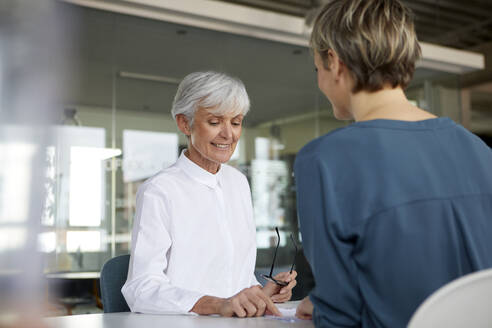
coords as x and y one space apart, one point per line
464 302
113 277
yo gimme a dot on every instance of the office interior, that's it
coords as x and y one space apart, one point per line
98 78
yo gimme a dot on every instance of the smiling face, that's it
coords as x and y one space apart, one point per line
212 138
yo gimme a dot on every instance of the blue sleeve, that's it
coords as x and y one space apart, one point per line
327 246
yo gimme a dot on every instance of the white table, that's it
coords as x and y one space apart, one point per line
132 320
73 275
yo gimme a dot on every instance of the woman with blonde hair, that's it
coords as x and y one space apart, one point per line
398 203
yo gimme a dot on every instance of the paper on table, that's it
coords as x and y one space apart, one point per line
288 315
288 312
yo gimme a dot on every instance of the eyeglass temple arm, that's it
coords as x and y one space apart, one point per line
295 255
275 254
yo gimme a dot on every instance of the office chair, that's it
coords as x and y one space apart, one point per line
464 302
113 277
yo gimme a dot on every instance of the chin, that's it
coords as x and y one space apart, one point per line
221 159
341 113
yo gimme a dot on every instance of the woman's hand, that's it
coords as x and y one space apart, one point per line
280 294
250 302
305 309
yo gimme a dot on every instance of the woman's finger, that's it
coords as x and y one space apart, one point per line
249 307
289 287
270 307
258 303
282 276
280 298
305 309
237 308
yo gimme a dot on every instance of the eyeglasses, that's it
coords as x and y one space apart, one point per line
270 277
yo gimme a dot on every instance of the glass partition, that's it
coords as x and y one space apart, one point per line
437 92
118 130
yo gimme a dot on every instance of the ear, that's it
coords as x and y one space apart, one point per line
183 124
336 65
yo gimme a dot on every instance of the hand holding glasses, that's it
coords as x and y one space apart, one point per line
270 277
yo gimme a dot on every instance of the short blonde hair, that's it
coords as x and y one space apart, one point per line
375 39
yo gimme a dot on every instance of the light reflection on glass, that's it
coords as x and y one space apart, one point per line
47 242
48 215
147 152
15 179
268 239
83 241
12 238
69 201
269 184
86 185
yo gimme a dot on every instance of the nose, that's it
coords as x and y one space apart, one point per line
226 131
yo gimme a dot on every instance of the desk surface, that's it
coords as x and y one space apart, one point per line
73 275
130 320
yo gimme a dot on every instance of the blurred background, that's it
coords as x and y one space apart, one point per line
86 89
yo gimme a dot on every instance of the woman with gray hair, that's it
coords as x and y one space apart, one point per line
193 239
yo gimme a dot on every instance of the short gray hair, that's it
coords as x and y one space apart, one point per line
217 91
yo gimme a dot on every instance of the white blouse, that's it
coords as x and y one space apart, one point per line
193 235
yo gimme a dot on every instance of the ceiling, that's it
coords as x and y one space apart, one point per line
279 77
458 24
453 23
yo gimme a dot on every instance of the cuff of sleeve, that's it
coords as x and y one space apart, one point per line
188 303
255 282
314 308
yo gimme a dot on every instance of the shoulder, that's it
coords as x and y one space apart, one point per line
161 182
329 144
474 139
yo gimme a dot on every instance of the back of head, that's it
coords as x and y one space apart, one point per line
375 39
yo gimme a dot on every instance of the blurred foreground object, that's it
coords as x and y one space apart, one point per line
31 71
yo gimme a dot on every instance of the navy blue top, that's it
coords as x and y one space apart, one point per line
390 211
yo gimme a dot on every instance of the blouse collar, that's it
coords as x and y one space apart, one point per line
198 173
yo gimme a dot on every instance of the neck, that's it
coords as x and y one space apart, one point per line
197 158
388 103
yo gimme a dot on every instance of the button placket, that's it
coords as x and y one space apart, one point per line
226 233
